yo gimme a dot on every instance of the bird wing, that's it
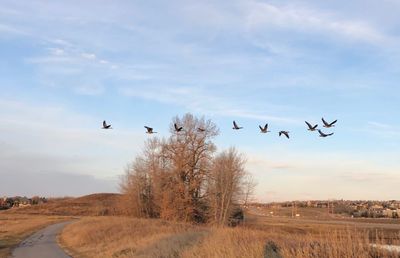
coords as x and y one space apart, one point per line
266 127
176 127
333 122
315 126
325 123
262 129
309 125
287 134
104 123
149 129
321 133
235 125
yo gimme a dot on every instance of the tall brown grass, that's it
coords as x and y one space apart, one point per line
99 204
129 237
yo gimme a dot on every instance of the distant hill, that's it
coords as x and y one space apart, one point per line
99 204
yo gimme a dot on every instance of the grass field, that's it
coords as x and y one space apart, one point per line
89 205
314 234
15 227
129 237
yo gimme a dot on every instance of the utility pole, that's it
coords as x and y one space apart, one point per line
331 208
294 209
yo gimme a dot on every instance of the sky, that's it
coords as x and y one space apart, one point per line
65 66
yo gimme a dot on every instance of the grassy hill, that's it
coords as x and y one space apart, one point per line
99 204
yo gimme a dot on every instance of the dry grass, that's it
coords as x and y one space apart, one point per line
129 237
243 242
90 205
15 227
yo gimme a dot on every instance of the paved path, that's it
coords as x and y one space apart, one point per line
42 244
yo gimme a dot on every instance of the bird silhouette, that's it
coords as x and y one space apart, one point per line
178 129
106 126
149 130
235 126
201 129
286 133
321 134
311 127
264 129
327 125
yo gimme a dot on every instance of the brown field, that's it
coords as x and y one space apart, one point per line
314 234
314 214
89 205
129 237
15 227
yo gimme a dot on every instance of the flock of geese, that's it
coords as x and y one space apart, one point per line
312 128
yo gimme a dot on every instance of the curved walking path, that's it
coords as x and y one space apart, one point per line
42 244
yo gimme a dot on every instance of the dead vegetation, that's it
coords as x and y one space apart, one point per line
130 237
99 204
182 178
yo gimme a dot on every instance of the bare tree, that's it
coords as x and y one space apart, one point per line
140 181
225 184
249 185
190 152
180 178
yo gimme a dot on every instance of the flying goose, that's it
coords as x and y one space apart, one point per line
106 126
286 133
201 129
264 129
235 126
149 130
311 127
321 134
178 129
327 125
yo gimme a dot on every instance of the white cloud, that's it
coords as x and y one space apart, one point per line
52 139
57 51
265 16
90 56
197 99
91 89
9 29
382 130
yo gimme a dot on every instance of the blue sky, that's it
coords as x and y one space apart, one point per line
67 65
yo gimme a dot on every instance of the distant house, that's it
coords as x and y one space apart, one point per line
22 201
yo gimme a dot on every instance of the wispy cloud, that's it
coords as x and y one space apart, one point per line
62 141
200 101
383 129
273 61
8 29
264 16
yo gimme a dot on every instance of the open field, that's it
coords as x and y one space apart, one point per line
15 227
89 205
129 237
315 234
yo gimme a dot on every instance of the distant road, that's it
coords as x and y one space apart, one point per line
42 244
